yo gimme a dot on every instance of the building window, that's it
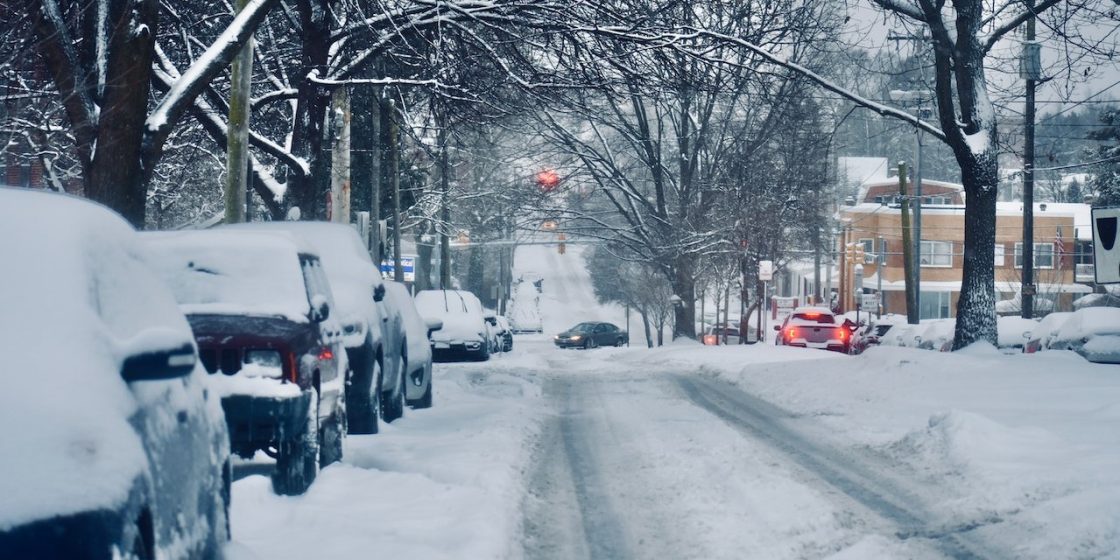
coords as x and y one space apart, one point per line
942 200
937 253
1043 255
935 305
999 254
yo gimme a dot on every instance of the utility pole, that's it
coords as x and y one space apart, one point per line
237 135
1031 70
395 185
912 316
445 204
882 308
340 157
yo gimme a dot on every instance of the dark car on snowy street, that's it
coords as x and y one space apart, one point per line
113 447
260 308
592 335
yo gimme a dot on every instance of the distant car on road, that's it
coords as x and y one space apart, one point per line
505 332
592 335
814 327
720 335
260 308
113 445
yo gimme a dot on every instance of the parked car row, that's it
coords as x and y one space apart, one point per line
181 349
1092 332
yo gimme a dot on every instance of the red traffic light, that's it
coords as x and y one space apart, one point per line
548 180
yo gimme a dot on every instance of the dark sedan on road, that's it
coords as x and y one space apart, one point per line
592 335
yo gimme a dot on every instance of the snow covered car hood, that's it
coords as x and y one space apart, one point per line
460 326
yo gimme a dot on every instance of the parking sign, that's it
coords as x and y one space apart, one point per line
1106 247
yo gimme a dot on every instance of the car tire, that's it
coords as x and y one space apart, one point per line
425 400
618 343
362 395
392 405
592 343
297 460
331 435
143 541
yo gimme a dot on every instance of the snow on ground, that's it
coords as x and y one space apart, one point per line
439 483
1028 445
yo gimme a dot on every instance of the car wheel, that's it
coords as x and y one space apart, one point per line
392 406
297 460
362 393
330 438
618 343
425 400
592 343
143 541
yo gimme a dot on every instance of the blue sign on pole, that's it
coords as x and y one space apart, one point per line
408 263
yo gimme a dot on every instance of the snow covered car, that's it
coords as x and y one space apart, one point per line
591 335
417 349
1012 333
373 342
525 315
1041 334
466 328
112 446
260 307
813 327
1093 332
505 333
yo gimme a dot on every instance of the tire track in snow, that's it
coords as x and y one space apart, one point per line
859 479
568 468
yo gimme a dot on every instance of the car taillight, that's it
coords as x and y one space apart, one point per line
326 354
842 334
293 368
791 333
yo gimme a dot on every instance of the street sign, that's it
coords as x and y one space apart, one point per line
870 302
1106 248
766 270
408 263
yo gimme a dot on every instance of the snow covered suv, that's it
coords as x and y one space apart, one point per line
813 327
112 445
373 342
260 308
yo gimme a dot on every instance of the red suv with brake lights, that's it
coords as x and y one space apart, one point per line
814 327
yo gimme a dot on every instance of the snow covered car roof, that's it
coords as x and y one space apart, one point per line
232 272
349 268
74 286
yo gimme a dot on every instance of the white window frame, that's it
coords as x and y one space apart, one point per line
928 254
1038 250
1001 254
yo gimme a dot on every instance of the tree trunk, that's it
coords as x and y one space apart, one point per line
116 177
309 192
976 316
424 250
645 327
684 286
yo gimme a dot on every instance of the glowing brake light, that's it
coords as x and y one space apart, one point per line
791 333
842 334
812 315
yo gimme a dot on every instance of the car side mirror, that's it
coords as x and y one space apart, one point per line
1027 335
433 325
157 354
777 327
492 321
379 292
320 309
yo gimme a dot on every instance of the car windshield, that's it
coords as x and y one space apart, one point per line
583 328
